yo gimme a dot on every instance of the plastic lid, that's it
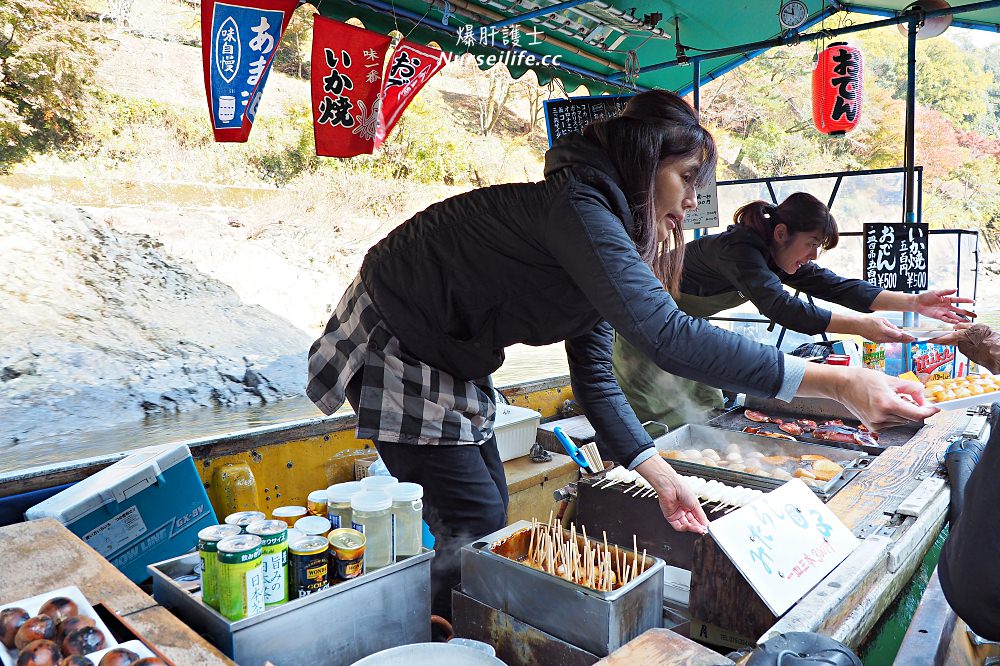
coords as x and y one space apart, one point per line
313 525
378 482
371 501
343 492
289 511
406 492
317 496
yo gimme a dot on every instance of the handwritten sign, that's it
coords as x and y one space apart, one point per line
895 256
706 216
569 116
784 543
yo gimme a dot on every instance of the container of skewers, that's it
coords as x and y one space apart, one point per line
577 587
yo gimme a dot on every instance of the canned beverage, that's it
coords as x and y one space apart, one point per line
273 534
241 577
244 518
308 567
347 553
208 541
316 503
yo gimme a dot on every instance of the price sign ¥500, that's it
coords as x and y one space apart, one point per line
784 543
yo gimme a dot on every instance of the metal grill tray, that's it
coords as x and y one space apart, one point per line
816 411
701 437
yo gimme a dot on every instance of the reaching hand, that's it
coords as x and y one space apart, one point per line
679 505
940 304
876 399
877 329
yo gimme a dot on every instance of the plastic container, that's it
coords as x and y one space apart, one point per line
316 502
289 514
838 359
338 503
516 429
371 514
313 525
378 483
407 519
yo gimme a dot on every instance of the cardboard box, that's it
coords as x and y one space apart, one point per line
143 509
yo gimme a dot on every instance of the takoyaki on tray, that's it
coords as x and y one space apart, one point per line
768 420
738 458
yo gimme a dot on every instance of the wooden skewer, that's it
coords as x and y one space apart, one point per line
643 561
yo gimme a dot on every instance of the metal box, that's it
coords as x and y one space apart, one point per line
598 622
344 623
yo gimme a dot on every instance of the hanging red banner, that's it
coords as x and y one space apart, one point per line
838 89
411 66
346 78
238 43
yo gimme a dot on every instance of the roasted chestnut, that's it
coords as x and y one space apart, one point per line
84 641
59 608
71 624
11 620
150 661
35 628
119 657
39 653
75 660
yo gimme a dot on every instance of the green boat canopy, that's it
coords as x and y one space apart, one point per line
619 45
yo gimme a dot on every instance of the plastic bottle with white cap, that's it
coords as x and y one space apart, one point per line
378 483
371 515
407 514
338 503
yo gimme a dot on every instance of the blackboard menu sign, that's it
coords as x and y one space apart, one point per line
566 116
896 256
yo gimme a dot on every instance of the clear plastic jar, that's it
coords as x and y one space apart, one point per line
378 483
313 525
407 519
316 503
371 514
338 503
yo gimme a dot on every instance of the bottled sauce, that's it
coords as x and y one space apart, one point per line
316 502
407 518
313 525
371 514
338 503
378 483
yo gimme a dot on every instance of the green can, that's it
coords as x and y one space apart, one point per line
273 534
241 576
208 541
244 518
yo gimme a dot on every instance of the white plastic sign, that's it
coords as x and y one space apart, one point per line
784 543
706 215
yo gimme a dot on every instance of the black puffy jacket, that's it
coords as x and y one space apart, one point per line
536 263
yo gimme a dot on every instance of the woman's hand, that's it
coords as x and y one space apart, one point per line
679 505
940 304
878 329
876 399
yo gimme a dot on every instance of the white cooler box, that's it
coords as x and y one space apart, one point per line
516 429
145 508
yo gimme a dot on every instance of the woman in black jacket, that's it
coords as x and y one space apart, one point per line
768 247
416 336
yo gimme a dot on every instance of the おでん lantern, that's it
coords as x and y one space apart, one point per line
837 89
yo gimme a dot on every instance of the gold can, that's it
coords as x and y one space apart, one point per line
347 553
308 567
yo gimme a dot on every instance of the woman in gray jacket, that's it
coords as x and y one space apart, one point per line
416 336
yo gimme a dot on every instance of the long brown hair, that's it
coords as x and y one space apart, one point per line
799 212
655 125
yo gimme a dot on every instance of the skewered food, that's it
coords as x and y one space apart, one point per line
767 433
791 428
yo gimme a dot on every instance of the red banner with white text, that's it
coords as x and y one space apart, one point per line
411 66
347 67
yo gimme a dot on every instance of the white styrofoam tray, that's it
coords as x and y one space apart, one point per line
924 334
33 604
972 400
136 646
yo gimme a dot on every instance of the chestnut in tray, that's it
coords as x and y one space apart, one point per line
11 620
75 660
84 641
71 624
39 653
59 608
40 627
119 657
